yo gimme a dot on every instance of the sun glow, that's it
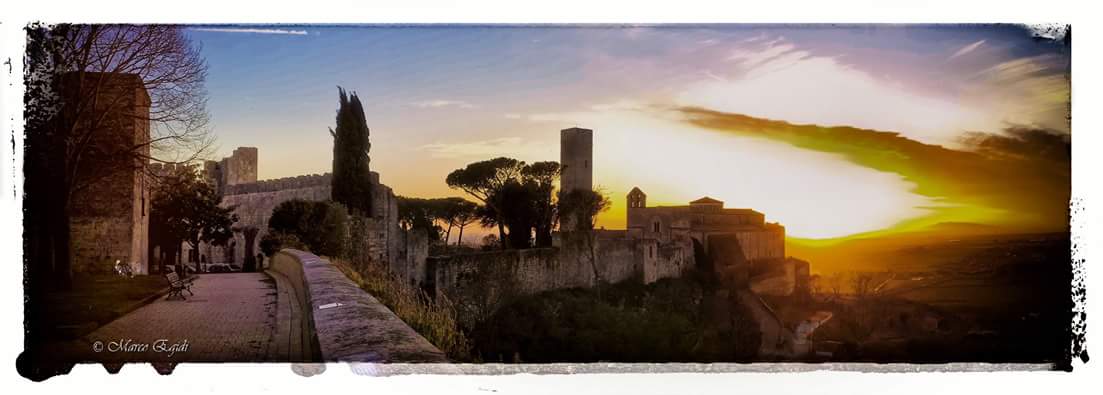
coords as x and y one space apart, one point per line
814 195
822 91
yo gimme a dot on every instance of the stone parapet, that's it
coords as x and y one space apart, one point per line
349 324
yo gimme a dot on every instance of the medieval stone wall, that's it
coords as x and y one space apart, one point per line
767 243
482 281
672 260
254 210
254 202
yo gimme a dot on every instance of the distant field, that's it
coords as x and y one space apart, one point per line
1029 270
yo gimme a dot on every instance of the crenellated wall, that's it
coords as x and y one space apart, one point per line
280 184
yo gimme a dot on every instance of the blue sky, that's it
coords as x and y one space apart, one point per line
438 97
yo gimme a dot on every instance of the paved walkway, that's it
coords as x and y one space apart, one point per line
231 317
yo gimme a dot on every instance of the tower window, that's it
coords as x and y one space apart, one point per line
586 164
655 226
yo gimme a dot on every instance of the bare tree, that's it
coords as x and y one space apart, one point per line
863 285
76 75
467 215
835 284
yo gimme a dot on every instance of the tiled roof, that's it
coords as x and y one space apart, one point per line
707 200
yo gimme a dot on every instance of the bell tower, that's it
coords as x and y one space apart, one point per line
636 198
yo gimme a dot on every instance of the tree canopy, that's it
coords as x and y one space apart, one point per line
515 195
186 209
585 205
437 215
483 180
321 226
351 171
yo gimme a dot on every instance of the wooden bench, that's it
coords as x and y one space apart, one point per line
177 286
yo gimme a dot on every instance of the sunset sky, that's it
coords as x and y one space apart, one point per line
665 104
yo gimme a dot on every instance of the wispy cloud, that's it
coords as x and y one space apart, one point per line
966 49
776 79
441 103
250 30
481 149
752 58
1026 91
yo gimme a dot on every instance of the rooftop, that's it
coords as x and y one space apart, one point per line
706 200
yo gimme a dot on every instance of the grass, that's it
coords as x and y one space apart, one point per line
433 318
92 302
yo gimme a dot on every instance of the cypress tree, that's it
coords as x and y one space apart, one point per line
351 183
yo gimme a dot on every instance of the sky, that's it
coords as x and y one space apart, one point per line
673 110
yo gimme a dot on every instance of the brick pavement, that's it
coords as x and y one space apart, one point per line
231 318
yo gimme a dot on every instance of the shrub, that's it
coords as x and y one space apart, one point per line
666 321
322 227
273 242
433 318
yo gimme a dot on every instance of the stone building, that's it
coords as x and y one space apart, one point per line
109 218
703 218
757 254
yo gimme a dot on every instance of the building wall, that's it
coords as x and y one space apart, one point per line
109 218
482 281
672 260
766 243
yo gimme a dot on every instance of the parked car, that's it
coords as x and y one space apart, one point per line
219 268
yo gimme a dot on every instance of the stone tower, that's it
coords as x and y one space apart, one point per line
636 198
109 219
238 168
576 155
